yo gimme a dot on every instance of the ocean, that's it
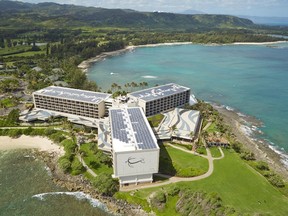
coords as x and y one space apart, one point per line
26 188
249 79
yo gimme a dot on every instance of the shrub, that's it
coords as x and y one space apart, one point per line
105 184
94 164
57 137
77 167
237 147
247 156
15 133
69 146
261 165
276 180
173 191
159 200
28 131
49 131
64 163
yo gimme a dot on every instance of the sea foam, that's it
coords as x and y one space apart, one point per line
78 195
149 77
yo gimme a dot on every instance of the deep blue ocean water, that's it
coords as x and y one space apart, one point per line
252 79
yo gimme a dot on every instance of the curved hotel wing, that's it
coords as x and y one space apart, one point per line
134 146
161 98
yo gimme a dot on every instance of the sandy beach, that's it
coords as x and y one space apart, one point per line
261 150
84 66
28 142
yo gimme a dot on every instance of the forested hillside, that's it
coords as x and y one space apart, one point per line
19 14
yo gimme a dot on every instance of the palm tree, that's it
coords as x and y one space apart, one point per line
133 85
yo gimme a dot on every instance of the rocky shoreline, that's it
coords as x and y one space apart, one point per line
80 184
261 150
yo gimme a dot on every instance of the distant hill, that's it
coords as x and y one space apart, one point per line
16 14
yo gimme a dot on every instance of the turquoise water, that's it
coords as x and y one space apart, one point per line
24 179
253 79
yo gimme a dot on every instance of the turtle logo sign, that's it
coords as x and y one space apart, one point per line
131 161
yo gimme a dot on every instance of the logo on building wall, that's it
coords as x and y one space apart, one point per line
131 161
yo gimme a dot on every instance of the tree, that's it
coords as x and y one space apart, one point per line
77 167
64 163
105 184
13 117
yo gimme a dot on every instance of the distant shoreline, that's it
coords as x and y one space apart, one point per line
86 64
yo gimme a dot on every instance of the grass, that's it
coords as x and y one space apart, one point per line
90 156
155 120
238 185
212 128
215 152
8 102
179 163
133 199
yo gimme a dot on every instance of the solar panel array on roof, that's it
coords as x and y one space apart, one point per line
159 92
73 94
142 133
119 128
125 122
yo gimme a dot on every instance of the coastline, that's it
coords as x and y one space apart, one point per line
261 150
28 142
86 64
45 150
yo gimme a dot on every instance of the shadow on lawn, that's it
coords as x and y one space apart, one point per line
165 162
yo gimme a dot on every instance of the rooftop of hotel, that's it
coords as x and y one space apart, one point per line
73 94
130 130
159 92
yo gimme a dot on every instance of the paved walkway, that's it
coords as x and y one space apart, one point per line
174 179
86 167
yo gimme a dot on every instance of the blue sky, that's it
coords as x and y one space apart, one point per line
268 8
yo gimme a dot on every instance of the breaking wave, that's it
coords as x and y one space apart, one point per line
78 195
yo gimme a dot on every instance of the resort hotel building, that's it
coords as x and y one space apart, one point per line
79 106
161 98
134 146
123 129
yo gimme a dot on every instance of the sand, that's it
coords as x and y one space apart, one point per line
85 65
28 142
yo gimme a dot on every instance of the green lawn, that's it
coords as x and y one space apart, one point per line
177 162
155 120
215 152
238 185
212 128
90 156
